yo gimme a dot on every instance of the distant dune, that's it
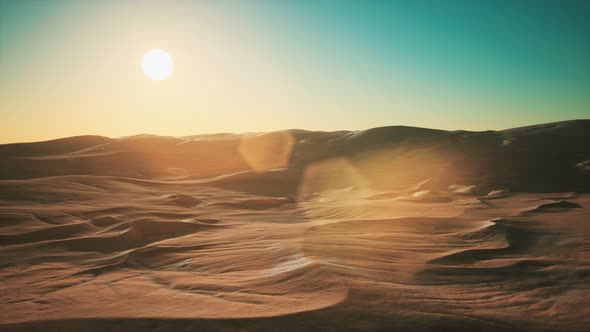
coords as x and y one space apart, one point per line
387 229
548 157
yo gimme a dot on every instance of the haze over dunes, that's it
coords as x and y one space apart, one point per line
392 228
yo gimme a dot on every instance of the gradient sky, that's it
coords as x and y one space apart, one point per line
73 67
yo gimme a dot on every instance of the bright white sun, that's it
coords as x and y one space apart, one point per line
157 65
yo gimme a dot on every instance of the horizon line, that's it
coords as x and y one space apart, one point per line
291 129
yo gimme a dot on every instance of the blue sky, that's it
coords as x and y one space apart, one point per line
270 65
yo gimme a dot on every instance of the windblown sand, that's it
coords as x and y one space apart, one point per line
106 253
392 229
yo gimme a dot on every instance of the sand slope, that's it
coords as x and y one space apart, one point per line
304 239
548 157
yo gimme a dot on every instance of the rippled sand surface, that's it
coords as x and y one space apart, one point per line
99 253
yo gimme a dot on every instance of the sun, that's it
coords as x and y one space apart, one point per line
157 65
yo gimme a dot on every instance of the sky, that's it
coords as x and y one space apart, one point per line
74 67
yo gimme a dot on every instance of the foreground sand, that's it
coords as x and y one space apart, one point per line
99 253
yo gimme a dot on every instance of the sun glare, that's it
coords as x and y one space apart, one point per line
157 65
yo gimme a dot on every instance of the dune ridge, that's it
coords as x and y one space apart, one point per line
543 157
302 230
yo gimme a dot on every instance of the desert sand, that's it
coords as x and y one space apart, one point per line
392 228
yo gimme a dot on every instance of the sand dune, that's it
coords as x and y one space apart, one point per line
393 229
536 158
